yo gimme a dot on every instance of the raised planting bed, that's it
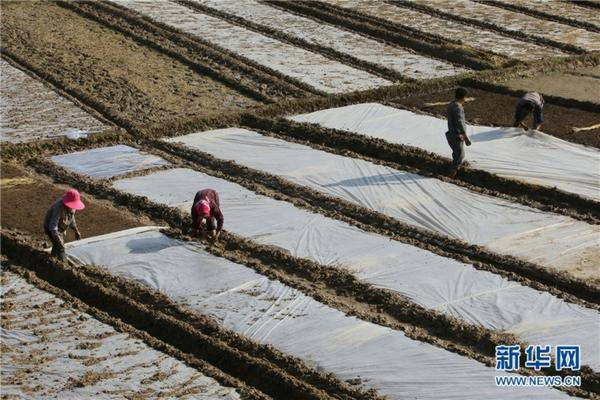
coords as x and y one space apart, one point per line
30 110
322 73
455 31
50 350
137 83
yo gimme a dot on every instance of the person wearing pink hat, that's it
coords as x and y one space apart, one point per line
206 213
60 217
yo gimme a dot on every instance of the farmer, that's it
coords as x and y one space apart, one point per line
206 213
60 217
457 130
531 101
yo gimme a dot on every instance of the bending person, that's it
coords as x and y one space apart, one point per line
206 213
457 130
59 218
531 101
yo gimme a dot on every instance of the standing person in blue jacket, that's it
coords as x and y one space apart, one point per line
457 130
531 101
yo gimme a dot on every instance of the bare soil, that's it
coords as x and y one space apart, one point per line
142 84
106 68
495 109
26 198
583 85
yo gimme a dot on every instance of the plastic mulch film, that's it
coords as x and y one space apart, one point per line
408 63
29 110
551 240
311 68
529 156
518 22
108 162
474 36
561 9
272 313
432 281
50 350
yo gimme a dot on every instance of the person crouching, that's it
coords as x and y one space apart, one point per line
206 213
531 101
59 218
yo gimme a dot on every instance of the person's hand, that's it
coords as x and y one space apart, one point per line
77 235
467 141
214 235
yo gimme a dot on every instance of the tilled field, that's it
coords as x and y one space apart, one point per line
351 266
138 83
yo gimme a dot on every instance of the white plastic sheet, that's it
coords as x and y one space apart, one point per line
551 240
401 60
473 36
108 162
518 22
567 9
272 313
432 281
530 156
311 68
29 110
61 346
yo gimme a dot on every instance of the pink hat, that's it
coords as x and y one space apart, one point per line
203 208
72 199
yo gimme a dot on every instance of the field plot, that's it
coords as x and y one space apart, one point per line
581 84
50 350
511 229
140 84
272 313
518 22
565 9
409 64
26 198
342 271
453 30
429 280
311 68
29 110
496 109
108 162
533 157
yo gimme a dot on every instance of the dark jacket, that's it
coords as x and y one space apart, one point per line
58 219
456 119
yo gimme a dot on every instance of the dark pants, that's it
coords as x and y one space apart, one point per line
58 249
458 149
523 109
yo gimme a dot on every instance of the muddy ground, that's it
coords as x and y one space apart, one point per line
99 359
332 287
142 84
495 109
581 84
25 199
